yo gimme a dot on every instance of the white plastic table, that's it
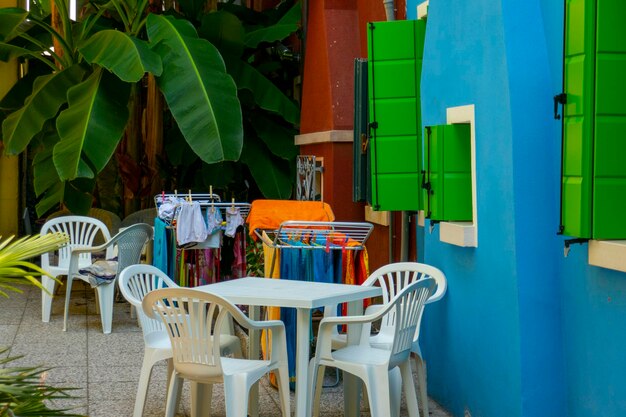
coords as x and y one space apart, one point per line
304 296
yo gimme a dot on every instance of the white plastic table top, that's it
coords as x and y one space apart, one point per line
304 296
288 293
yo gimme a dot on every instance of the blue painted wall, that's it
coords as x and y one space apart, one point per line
523 331
472 339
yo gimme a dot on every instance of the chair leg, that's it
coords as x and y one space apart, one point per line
144 379
172 395
380 405
282 379
395 391
409 388
46 299
105 295
422 387
201 395
68 292
317 377
236 394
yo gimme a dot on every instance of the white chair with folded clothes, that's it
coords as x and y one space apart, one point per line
83 231
102 274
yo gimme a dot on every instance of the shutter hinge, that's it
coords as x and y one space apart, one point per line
568 242
559 99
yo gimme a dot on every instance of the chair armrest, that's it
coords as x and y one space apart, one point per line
325 331
279 339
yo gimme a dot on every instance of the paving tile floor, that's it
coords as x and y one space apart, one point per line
105 368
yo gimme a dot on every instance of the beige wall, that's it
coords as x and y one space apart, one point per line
8 165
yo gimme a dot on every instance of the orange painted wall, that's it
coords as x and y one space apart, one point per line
335 36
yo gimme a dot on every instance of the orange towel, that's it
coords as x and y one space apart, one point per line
269 214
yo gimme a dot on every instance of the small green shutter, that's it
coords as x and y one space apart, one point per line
361 175
448 178
394 68
594 120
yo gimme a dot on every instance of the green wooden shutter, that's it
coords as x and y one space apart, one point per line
609 188
448 178
394 68
594 120
361 174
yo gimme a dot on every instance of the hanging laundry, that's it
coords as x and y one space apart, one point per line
190 226
233 221
238 268
213 220
167 209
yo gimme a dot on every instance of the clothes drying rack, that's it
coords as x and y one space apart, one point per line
337 234
205 200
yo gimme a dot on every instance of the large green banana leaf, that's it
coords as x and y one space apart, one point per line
200 94
283 28
49 93
225 31
44 172
93 123
10 20
8 52
278 138
127 57
272 175
266 94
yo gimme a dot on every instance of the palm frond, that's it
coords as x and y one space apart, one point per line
23 391
16 266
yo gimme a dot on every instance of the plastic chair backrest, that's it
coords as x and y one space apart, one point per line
394 277
130 243
82 231
141 216
407 309
111 220
191 318
135 282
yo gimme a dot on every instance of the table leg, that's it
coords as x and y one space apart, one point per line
352 384
303 342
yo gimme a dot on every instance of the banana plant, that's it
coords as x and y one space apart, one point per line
270 116
75 112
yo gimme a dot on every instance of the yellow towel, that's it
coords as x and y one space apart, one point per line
273 313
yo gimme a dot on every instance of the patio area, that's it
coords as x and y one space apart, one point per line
105 368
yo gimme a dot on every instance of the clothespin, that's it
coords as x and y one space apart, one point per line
189 191
176 194
211 197
232 204
162 196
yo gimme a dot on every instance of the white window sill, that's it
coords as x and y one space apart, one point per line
609 254
458 233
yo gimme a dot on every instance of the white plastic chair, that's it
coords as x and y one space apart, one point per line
371 364
82 231
190 319
392 278
129 243
135 282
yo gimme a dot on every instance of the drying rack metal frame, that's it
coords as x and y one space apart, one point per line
335 231
206 200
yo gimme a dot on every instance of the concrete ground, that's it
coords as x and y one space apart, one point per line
106 368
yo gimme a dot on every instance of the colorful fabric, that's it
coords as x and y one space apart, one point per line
159 247
269 214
